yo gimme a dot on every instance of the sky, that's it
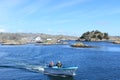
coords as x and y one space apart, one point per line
67 17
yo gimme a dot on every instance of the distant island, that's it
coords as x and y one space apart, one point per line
46 39
94 36
37 38
99 36
81 45
115 39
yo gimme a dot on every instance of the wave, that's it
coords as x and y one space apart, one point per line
30 68
23 66
36 68
2 54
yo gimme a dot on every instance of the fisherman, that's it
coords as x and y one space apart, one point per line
51 64
59 64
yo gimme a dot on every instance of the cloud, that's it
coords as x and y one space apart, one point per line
65 4
11 8
105 10
8 5
33 7
55 22
7 9
3 30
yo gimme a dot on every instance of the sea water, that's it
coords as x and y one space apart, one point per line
26 62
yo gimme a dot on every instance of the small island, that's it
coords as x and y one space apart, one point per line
116 42
81 45
94 36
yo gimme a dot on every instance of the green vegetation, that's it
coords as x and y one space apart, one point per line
94 36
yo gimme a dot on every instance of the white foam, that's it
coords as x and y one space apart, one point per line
39 68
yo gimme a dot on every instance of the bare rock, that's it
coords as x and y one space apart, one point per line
81 45
116 42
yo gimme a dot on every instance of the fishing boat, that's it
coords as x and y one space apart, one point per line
69 71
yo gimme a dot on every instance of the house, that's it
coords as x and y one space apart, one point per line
38 40
49 39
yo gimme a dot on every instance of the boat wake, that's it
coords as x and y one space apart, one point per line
35 68
23 66
39 69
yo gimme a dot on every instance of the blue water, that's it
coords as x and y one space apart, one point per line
20 62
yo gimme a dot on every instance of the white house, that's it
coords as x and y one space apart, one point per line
49 39
38 39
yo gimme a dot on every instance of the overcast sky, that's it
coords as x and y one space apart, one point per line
69 17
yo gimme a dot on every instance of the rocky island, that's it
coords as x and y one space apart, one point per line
81 45
94 36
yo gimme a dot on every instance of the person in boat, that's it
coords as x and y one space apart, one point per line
59 64
51 64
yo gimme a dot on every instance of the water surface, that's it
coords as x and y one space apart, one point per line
20 62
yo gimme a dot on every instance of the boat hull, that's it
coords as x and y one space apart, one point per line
69 71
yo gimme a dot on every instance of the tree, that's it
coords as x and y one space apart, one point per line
99 37
106 36
95 35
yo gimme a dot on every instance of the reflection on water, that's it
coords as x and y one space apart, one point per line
60 77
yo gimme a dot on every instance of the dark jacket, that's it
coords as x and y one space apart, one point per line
59 65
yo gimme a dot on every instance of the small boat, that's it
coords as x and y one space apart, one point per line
68 71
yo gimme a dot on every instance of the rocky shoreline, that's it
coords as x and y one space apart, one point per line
115 39
46 39
116 42
39 38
